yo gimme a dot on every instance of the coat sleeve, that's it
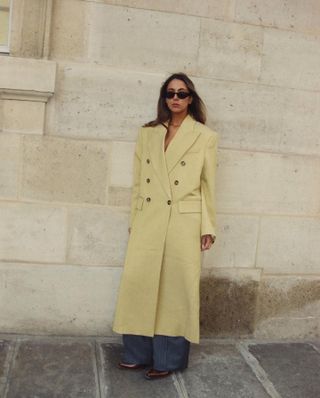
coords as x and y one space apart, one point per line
136 177
208 215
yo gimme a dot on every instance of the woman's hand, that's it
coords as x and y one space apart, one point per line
207 241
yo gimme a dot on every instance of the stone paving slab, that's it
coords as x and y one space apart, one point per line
119 383
219 371
53 369
293 368
66 367
4 349
316 345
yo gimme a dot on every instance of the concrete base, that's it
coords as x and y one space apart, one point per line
86 367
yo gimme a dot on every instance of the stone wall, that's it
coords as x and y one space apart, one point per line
79 82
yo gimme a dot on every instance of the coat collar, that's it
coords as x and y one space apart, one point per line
164 162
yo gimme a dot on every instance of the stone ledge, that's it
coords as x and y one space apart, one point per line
27 74
25 95
25 87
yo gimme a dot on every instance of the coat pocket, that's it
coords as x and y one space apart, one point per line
139 203
189 206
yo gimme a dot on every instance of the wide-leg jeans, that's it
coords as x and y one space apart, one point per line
164 353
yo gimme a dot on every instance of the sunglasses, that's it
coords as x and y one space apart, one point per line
180 94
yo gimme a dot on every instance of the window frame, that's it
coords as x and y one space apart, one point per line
6 49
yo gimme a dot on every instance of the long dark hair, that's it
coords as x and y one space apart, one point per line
196 109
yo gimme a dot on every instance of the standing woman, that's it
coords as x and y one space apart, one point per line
172 220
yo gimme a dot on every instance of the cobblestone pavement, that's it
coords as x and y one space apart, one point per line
45 367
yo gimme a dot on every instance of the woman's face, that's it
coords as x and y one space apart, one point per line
175 104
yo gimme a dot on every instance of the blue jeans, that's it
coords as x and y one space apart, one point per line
163 353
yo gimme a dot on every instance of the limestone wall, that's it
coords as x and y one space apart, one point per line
74 92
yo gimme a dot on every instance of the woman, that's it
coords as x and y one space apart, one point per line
172 220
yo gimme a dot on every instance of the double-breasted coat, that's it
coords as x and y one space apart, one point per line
172 207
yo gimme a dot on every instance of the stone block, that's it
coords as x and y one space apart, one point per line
142 39
58 169
288 307
289 296
30 232
289 245
57 299
27 74
97 236
218 9
289 15
291 59
260 117
9 165
268 183
118 196
122 164
300 115
230 51
69 27
227 305
94 101
23 116
121 36
236 242
288 328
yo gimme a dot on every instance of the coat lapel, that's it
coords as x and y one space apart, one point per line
156 150
164 162
184 138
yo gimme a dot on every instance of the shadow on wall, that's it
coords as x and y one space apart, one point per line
232 308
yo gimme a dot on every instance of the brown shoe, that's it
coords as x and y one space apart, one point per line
131 366
153 374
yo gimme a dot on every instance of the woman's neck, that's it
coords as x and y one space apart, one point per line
177 119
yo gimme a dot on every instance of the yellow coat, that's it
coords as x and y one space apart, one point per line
172 206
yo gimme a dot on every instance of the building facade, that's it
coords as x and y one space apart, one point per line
78 78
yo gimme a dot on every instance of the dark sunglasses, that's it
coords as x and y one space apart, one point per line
180 94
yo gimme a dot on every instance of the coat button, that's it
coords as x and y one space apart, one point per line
148 199
148 160
148 180
183 163
176 182
169 202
